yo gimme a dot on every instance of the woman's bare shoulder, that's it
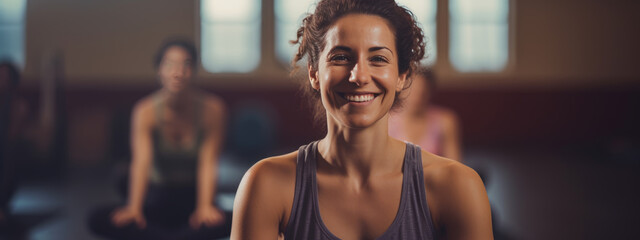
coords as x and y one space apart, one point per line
457 198
445 174
275 169
214 107
212 101
443 113
267 188
144 108
265 197
145 103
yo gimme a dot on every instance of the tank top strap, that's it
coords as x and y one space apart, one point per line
301 222
416 182
413 159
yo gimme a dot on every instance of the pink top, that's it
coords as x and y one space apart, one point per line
431 140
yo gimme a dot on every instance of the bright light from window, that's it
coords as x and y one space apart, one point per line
479 35
222 10
12 14
425 12
230 35
289 15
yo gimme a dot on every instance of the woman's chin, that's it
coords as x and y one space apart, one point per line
175 89
359 121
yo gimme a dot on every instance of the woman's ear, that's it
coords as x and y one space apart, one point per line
313 77
402 79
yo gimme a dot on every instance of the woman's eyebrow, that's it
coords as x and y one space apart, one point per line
341 48
376 48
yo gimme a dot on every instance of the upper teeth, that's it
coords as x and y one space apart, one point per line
359 98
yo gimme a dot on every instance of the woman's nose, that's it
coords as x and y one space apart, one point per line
360 74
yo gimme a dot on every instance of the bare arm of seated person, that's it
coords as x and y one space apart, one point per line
141 149
457 199
264 199
214 123
451 139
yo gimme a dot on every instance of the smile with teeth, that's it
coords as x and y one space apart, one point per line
359 97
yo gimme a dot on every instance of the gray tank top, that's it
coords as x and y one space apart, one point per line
175 166
412 221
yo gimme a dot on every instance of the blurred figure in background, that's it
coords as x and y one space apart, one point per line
176 137
13 115
434 128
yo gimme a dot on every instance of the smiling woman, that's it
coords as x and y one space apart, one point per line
357 182
359 48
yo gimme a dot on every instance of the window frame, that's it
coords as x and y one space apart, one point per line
446 65
270 66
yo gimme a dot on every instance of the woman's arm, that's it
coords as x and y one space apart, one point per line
264 199
451 148
207 175
459 202
141 149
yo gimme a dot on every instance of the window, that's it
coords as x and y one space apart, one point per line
425 12
479 40
230 35
12 13
289 15
478 34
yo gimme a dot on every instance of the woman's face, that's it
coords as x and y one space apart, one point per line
175 70
357 72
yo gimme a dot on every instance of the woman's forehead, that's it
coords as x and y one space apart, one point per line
361 31
176 52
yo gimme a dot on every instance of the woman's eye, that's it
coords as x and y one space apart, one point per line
339 58
379 59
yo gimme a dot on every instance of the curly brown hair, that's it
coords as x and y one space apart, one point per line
409 39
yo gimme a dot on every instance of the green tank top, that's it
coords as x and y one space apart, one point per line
175 166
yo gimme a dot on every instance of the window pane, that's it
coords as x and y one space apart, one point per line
12 13
289 15
479 10
230 35
230 47
286 32
479 35
230 11
425 12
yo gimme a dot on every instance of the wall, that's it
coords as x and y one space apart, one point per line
104 42
574 78
557 44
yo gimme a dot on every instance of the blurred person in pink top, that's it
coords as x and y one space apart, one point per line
434 128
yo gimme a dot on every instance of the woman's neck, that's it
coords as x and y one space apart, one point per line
359 152
177 100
